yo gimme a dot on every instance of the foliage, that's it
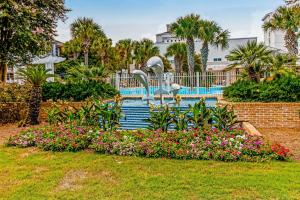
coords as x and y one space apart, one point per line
187 28
35 76
93 113
286 19
84 32
197 116
254 57
160 118
180 119
14 93
224 119
200 115
54 138
13 98
284 89
195 144
84 73
210 33
62 67
77 91
143 51
206 144
26 28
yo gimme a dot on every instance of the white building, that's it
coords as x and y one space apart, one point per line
217 56
275 39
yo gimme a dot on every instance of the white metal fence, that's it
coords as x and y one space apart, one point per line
199 83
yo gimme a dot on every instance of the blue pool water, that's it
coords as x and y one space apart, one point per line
210 102
184 91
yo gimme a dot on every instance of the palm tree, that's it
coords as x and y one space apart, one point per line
124 49
72 47
178 51
187 28
86 30
36 76
281 65
253 57
210 33
286 19
84 73
103 47
143 51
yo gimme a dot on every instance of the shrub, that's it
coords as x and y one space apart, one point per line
202 144
58 138
13 99
92 113
78 91
234 145
197 116
284 89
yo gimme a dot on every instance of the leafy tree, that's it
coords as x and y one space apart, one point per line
286 19
210 33
143 51
102 47
179 52
26 27
85 31
253 57
72 48
124 48
84 73
187 28
281 65
36 76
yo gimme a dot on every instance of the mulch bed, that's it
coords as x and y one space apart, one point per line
286 136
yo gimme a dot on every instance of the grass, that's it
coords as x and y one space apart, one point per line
33 174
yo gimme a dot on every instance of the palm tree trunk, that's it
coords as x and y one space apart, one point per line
191 59
291 42
34 106
204 56
177 64
3 72
86 58
252 75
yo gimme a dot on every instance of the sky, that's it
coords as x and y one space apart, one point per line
137 19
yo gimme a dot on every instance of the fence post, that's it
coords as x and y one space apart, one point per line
198 79
117 81
228 78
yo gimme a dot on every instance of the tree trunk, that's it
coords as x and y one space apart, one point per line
204 56
86 58
252 75
291 42
34 106
3 72
191 59
177 64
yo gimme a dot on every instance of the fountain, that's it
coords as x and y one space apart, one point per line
156 65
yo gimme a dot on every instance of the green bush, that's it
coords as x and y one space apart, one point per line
77 91
285 89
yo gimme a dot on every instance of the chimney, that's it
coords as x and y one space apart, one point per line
168 27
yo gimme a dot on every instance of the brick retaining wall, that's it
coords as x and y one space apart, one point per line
267 115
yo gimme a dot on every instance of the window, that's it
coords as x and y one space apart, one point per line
217 59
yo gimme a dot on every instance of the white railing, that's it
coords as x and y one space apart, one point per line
199 83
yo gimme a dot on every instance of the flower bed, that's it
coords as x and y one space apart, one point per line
212 144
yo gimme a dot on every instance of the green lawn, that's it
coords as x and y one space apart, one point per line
33 174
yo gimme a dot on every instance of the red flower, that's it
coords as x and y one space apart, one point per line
280 150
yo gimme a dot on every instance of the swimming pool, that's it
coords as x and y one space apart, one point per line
216 90
135 102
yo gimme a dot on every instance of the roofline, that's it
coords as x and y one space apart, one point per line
267 15
243 38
